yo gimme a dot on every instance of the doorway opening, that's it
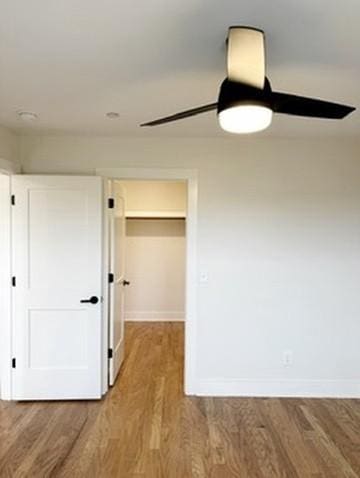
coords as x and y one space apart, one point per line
190 176
147 265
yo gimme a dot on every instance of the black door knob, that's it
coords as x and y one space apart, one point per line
92 300
126 282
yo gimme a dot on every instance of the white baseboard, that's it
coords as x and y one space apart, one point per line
154 316
279 388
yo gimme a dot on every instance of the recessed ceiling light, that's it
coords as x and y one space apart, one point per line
112 115
27 115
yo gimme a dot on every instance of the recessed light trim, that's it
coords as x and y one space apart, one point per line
27 116
112 115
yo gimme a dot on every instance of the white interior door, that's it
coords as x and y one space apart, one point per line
57 264
117 287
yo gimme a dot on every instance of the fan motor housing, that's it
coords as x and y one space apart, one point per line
235 94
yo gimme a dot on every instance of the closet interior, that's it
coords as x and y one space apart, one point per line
155 250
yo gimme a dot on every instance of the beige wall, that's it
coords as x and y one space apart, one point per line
155 196
278 237
155 267
8 149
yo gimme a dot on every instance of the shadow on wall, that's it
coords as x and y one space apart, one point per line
155 228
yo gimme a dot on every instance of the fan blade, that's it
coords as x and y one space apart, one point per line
302 106
246 56
182 115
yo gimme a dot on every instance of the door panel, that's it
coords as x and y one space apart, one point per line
54 325
117 261
57 261
51 215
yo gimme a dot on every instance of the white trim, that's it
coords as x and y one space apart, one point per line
279 388
105 280
155 214
155 316
157 174
190 176
6 168
5 292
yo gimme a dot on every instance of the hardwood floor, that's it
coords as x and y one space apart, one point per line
145 427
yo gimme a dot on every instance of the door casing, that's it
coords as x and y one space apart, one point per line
7 168
163 174
5 285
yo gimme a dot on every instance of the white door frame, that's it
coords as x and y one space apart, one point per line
190 176
6 168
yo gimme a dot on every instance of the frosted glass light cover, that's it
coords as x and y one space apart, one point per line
245 118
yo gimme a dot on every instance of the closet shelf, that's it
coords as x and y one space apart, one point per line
156 214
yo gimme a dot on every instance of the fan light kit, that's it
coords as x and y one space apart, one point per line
245 118
246 100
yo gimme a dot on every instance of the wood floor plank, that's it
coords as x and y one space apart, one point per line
146 428
293 442
328 447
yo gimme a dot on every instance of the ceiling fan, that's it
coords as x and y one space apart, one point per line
246 101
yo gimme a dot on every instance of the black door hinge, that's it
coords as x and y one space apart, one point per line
13 281
13 199
111 203
13 363
110 353
111 278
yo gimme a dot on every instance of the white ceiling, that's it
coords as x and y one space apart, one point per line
71 61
